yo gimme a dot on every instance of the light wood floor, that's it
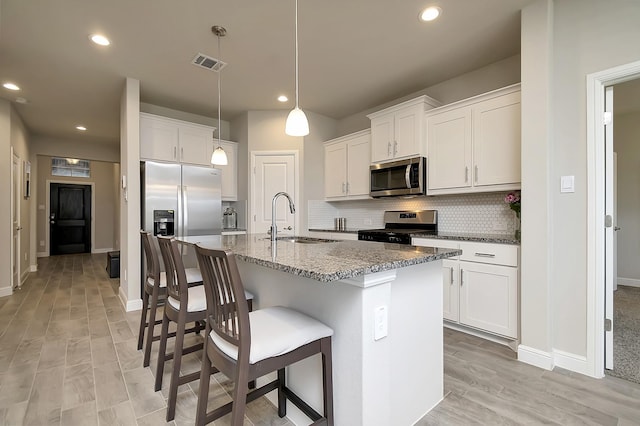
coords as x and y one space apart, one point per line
68 356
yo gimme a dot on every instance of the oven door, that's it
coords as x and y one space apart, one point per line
404 177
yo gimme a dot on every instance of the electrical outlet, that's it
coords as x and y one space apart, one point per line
380 323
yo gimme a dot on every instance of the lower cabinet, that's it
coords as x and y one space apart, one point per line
480 289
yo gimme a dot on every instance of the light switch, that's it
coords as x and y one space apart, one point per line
567 184
380 323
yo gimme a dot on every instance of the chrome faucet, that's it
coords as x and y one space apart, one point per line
292 208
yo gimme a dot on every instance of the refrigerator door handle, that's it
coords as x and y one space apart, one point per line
185 214
178 231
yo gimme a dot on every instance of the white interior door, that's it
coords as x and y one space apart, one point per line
273 173
609 227
16 186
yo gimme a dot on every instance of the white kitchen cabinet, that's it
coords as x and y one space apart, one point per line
229 176
397 131
167 139
480 287
474 145
346 167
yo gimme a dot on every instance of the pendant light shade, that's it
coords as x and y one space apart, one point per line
297 123
219 157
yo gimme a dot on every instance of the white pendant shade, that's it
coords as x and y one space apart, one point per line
297 124
219 157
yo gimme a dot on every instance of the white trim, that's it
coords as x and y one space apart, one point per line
24 276
596 83
102 250
33 268
511 343
48 208
129 305
535 357
42 254
371 280
631 282
15 211
6 291
571 362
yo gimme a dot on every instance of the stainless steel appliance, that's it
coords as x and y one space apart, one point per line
397 178
401 224
180 200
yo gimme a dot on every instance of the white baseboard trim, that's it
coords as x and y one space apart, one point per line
129 305
42 254
24 276
6 291
535 357
631 282
33 268
102 250
572 362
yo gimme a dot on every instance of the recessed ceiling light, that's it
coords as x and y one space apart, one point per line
100 39
430 13
282 98
81 128
10 86
21 100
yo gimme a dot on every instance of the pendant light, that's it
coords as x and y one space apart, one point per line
219 157
297 124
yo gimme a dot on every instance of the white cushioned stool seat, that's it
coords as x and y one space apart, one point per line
197 300
276 331
193 276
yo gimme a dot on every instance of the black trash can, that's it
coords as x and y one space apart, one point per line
113 264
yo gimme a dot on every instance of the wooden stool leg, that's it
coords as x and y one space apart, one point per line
162 352
282 399
143 318
151 328
203 391
327 378
239 398
175 373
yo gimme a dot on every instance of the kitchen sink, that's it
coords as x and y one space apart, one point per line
305 240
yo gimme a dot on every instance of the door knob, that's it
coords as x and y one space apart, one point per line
616 228
288 228
53 222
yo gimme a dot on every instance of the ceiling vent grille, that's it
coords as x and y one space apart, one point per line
207 62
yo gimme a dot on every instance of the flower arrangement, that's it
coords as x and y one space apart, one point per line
513 199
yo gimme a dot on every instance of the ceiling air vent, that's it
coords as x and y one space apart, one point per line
207 62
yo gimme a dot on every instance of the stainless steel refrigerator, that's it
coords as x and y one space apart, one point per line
180 200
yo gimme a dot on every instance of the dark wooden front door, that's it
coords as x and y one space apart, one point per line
70 219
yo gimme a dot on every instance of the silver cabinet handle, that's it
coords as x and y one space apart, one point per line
389 149
485 255
451 276
181 153
343 187
476 174
461 277
347 191
466 174
395 148
175 152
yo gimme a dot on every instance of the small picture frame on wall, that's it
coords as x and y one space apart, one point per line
27 178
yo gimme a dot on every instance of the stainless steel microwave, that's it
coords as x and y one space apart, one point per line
398 178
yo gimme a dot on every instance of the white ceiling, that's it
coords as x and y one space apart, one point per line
354 55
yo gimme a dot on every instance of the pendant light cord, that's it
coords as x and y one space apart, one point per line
296 53
219 72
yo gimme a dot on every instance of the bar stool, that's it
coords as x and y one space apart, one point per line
245 346
156 293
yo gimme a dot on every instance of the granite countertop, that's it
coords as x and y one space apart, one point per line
324 262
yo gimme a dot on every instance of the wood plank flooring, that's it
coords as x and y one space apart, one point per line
68 357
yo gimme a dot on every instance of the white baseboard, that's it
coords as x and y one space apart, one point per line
535 357
24 276
129 305
631 282
6 291
571 362
42 254
102 250
33 268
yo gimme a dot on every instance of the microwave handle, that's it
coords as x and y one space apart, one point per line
407 176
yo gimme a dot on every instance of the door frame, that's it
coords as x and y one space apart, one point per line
296 178
596 82
48 210
15 207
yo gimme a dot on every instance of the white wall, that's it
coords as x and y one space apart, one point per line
75 148
626 141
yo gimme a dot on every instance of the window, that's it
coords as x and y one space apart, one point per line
70 167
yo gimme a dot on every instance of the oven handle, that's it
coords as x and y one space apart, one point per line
407 175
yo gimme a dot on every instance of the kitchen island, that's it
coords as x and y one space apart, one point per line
384 303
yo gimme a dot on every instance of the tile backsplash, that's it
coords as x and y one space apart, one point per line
466 213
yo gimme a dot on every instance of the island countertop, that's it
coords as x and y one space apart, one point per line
325 262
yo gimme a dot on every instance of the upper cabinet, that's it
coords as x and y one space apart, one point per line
397 131
346 167
474 145
176 141
166 139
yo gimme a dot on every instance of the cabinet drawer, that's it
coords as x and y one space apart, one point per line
496 254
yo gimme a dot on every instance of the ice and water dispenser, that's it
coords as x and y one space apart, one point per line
163 222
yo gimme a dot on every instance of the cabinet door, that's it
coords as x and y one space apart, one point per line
408 132
449 149
229 178
158 140
489 298
335 170
496 140
194 146
358 155
382 138
450 289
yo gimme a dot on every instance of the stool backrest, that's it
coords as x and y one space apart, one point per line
177 286
227 308
152 257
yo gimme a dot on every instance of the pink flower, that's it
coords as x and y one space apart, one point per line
512 197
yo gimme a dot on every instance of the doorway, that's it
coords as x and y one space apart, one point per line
16 185
69 218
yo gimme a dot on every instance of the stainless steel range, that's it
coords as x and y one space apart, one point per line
400 224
